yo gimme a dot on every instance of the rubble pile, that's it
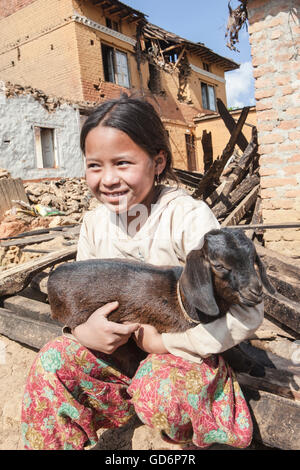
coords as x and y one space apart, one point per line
4 173
69 195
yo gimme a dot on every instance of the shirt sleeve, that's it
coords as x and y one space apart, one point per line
236 326
86 244
191 220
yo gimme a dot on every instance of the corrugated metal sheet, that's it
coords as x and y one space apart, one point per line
11 189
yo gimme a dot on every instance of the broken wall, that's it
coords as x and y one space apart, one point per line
26 129
275 40
220 135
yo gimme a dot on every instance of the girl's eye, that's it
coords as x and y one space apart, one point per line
123 162
93 165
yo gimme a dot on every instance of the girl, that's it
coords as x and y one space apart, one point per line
184 387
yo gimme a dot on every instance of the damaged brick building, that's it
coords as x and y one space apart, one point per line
88 51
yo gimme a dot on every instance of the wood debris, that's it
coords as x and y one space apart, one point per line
236 20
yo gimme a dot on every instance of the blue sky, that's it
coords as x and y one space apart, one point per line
205 21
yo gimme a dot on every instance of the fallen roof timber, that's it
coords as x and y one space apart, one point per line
17 278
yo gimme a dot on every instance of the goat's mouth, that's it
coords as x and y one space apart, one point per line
251 299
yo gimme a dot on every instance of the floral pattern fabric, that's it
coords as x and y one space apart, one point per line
71 392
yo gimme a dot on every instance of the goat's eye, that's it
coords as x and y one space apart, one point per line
220 267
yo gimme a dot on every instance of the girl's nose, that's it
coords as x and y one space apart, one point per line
109 177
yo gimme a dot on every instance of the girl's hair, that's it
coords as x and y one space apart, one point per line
140 121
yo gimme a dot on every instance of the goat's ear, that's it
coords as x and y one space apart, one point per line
263 275
196 283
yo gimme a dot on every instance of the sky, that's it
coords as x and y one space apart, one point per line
205 21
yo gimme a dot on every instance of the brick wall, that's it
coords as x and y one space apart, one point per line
8 7
275 47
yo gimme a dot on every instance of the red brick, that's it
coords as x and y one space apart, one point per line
288 147
289 124
294 135
270 159
294 193
260 94
292 170
267 149
271 138
267 115
267 182
294 158
266 126
268 193
269 171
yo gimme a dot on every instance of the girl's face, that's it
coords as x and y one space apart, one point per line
120 173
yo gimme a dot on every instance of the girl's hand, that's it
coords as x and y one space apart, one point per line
148 339
100 334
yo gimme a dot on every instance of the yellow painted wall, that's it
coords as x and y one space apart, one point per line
220 133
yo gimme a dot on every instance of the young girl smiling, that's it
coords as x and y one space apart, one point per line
184 387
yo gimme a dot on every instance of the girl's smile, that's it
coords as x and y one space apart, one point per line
120 173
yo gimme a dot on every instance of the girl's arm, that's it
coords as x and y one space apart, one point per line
100 334
203 340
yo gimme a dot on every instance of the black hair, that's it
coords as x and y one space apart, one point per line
140 121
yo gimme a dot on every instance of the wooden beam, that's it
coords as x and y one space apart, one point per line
15 279
238 213
206 142
279 263
226 204
179 57
214 173
230 124
34 333
171 48
243 164
275 419
284 310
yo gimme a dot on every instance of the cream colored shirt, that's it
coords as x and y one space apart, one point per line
176 225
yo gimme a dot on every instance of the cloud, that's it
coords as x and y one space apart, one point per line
240 86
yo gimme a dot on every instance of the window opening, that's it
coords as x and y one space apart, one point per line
208 97
115 66
45 147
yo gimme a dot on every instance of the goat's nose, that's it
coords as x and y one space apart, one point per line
256 289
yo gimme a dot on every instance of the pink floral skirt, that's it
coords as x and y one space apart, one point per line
71 392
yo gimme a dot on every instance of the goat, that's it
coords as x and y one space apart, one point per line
172 299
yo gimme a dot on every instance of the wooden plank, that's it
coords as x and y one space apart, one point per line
230 123
284 310
243 164
280 383
256 218
275 419
31 332
29 240
213 174
11 189
206 142
29 308
226 204
17 278
238 213
278 263
74 228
